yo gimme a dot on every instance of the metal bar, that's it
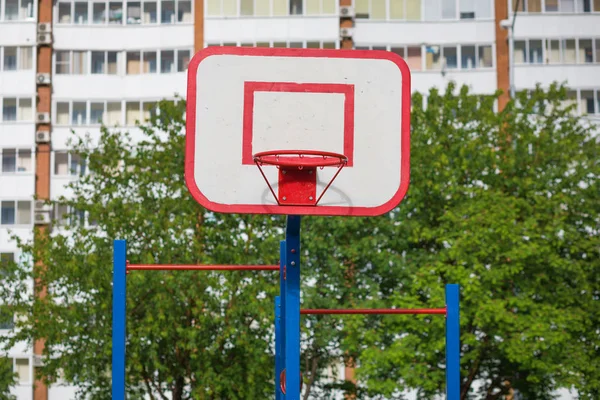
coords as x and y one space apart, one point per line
118 323
182 267
292 308
282 297
376 311
452 343
277 346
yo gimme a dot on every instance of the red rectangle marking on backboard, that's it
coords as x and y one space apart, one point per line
338 88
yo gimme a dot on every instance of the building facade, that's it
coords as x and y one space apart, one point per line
70 65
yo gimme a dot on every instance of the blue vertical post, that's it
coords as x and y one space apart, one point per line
452 342
278 394
277 346
118 324
292 308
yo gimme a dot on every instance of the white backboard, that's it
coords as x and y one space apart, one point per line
242 101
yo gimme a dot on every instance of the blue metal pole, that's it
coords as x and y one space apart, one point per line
292 308
452 342
282 297
118 324
277 346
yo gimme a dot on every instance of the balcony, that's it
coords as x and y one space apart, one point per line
576 76
18 33
17 134
122 37
481 81
20 185
18 83
556 25
257 29
439 32
128 87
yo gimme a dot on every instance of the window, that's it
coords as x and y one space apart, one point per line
373 9
62 113
133 62
471 9
18 10
81 12
68 163
586 51
96 113
10 59
64 12
115 12
79 114
318 7
532 6
433 57
14 109
15 212
17 58
167 61
71 62
229 7
98 62
149 62
436 10
552 51
99 13
184 10
150 110
450 57
520 52
551 5
150 16
22 370
183 59
167 13
486 59
112 66
535 52
113 113
587 102
16 160
296 7
132 112
569 51
134 12
68 216
413 57
597 49
467 57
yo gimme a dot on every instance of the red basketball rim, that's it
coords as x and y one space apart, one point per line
300 158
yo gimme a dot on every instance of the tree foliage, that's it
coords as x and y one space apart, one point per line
505 204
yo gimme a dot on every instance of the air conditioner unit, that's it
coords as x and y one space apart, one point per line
346 32
44 27
44 38
41 218
37 361
41 206
346 11
42 137
43 79
42 118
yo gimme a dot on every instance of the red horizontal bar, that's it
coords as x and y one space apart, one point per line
183 267
377 311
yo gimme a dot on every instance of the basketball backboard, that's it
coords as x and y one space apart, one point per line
251 111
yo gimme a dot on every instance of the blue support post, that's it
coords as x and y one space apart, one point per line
292 308
118 324
278 394
452 342
277 346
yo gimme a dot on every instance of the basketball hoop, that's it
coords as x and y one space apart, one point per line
297 173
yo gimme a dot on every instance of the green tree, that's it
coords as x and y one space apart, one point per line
506 205
201 335
8 378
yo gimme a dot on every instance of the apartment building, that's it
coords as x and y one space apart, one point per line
70 65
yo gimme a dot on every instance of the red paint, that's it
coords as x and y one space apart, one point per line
376 311
251 87
183 267
315 159
296 210
297 186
